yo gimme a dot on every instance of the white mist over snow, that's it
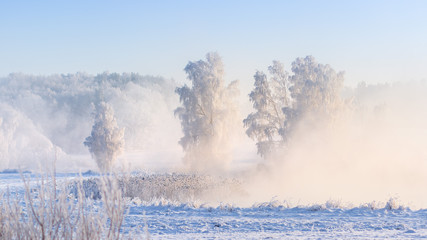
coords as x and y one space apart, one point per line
374 151
43 118
20 141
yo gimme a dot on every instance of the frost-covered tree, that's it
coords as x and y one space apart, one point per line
207 114
269 97
316 88
106 141
312 93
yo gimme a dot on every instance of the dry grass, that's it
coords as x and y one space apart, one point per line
47 211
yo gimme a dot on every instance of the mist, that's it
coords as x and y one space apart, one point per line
373 150
45 119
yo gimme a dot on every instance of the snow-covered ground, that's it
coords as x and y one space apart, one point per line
266 222
193 216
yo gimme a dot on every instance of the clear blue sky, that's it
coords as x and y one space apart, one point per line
372 41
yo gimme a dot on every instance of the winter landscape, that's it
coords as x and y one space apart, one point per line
136 121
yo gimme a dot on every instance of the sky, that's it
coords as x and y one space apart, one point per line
372 41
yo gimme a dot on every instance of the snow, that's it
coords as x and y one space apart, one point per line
162 218
166 222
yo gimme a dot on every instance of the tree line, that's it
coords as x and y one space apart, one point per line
208 110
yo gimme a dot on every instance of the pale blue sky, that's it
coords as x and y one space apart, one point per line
373 41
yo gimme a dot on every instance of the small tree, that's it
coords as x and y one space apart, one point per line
106 141
207 114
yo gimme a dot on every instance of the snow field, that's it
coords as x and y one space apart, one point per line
178 206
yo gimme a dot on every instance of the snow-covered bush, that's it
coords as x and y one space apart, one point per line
207 114
46 211
106 140
393 204
91 188
181 188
